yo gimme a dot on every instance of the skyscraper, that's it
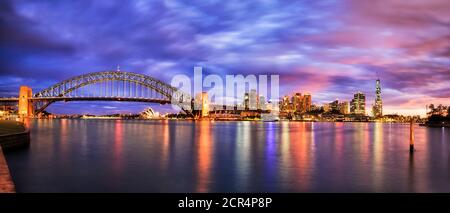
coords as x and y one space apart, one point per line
344 107
358 104
262 103
25 106
285 105
202 103
253 100
326 107
307 102
297 102
246 101
334 106
377 109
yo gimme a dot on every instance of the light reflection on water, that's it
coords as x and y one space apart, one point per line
184 156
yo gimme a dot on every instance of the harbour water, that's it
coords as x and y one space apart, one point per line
77 155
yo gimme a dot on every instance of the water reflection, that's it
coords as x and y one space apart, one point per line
301 151
204 156
411 175
117 147
378 157
63 146
338 150
270 156
165 145
242 149
184 156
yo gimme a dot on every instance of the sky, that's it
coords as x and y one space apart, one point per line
331 49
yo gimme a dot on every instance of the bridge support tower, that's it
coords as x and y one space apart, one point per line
25 104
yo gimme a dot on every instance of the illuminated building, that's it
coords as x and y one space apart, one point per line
149 113
253 100
269 106
315 107
344 107
326 108
301 103
285 105
6 109
358 104
377 109
297 102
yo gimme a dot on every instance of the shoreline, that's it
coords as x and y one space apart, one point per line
6 182
436 125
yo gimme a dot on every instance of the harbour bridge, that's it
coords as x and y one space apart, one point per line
101 86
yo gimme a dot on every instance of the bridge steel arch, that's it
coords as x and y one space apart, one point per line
61 90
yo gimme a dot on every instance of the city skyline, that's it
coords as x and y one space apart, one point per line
332 50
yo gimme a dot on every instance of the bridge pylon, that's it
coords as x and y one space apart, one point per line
25 104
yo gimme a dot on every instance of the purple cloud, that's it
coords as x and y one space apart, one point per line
328 48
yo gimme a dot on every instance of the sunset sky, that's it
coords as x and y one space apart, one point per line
330 49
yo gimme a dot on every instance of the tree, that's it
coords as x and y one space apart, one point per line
448 112
316 111
335 111
431 110
435 119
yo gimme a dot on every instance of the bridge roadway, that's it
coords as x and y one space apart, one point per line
9 100
66 99
214 108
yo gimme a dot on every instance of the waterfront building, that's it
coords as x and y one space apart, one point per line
149 113
334 106
315 107
202 102
300 103
344 107
253 100
377 108
297 102
285 104
269 106
307 102
6 111
358 104
262 103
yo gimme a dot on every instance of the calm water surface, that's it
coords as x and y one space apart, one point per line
184 156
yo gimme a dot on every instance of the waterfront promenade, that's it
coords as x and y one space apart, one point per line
12 134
